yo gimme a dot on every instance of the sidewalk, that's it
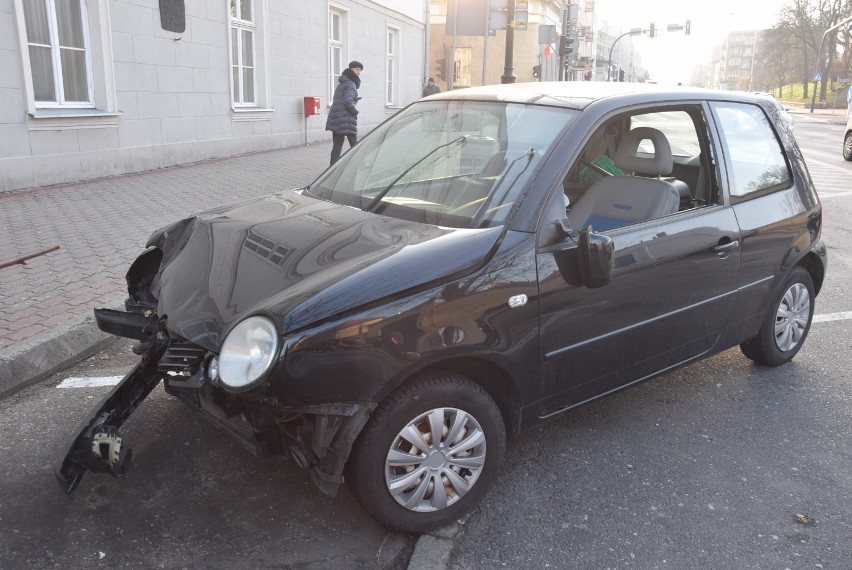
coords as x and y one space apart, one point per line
46 319
832 117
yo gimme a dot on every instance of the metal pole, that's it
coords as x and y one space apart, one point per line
609 60
819 67
819 55
508 71
753 56
485 39
451 65
426 52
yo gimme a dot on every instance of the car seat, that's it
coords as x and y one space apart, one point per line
616 201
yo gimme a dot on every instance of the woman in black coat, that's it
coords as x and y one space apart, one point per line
343 118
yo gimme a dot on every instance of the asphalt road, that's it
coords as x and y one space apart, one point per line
192 497
721 464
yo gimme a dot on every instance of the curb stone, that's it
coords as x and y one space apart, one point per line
432 551
34 359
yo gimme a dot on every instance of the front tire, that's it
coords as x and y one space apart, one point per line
847 146
787 323
428 454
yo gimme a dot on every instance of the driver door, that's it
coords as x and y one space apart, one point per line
673 283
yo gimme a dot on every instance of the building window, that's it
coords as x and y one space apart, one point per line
461 67
392 66
66 56
336 48
243 29
58 50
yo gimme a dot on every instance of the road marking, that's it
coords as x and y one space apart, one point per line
78 382
833 317
831 181
828 165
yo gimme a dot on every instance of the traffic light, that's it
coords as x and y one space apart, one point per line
536 71
653 31
565 45
587 75
442 69
621 75
686 28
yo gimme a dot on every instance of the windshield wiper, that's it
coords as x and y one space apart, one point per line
480 212
369 208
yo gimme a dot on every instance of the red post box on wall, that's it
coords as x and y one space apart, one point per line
312 106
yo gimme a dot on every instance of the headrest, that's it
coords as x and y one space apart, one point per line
659 165
495 164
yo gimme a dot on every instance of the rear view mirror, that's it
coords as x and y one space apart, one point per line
596 258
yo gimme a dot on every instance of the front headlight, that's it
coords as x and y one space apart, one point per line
247 352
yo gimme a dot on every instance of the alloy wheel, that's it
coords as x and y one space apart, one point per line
791 319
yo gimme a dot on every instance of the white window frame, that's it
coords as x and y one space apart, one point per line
461 67
392 67
56 61
102 109
260 109
336 45
238 25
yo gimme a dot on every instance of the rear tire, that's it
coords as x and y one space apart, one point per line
428 454
787 323
847 146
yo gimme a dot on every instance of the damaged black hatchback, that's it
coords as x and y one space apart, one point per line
485 260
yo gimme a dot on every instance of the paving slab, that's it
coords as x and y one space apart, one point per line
100 226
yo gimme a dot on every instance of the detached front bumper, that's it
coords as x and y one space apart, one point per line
97 445
319 437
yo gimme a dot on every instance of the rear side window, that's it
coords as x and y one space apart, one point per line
755 158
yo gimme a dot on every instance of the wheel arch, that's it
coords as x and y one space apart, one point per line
495 380
814 265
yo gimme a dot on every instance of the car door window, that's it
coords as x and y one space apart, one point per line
641 166
678 127
756 162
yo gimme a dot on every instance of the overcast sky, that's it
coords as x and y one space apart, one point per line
671 56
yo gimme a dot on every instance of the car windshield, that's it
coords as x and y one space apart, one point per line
448 163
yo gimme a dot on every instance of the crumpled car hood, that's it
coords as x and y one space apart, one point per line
300 261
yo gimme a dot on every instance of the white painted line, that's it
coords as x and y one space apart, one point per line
828 164
78 382
75 382
833 317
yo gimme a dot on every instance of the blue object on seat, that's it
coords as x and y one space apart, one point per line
601 223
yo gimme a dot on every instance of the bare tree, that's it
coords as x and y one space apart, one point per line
798 21
772 63
806 21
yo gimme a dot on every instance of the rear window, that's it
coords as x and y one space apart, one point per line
756 160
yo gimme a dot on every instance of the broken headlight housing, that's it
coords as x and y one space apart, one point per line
247 353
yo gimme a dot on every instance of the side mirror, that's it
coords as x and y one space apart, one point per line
596 254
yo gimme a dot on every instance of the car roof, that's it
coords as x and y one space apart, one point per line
581 94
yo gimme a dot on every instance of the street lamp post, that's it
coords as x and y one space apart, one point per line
633 32
508 69
819 57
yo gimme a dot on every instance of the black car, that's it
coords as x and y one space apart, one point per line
483 261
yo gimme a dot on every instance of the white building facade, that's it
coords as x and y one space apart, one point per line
92 88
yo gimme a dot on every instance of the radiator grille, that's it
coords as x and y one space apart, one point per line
181 357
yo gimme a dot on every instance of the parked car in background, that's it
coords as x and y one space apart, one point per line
847 139
484 261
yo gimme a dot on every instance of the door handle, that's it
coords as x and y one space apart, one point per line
726 248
